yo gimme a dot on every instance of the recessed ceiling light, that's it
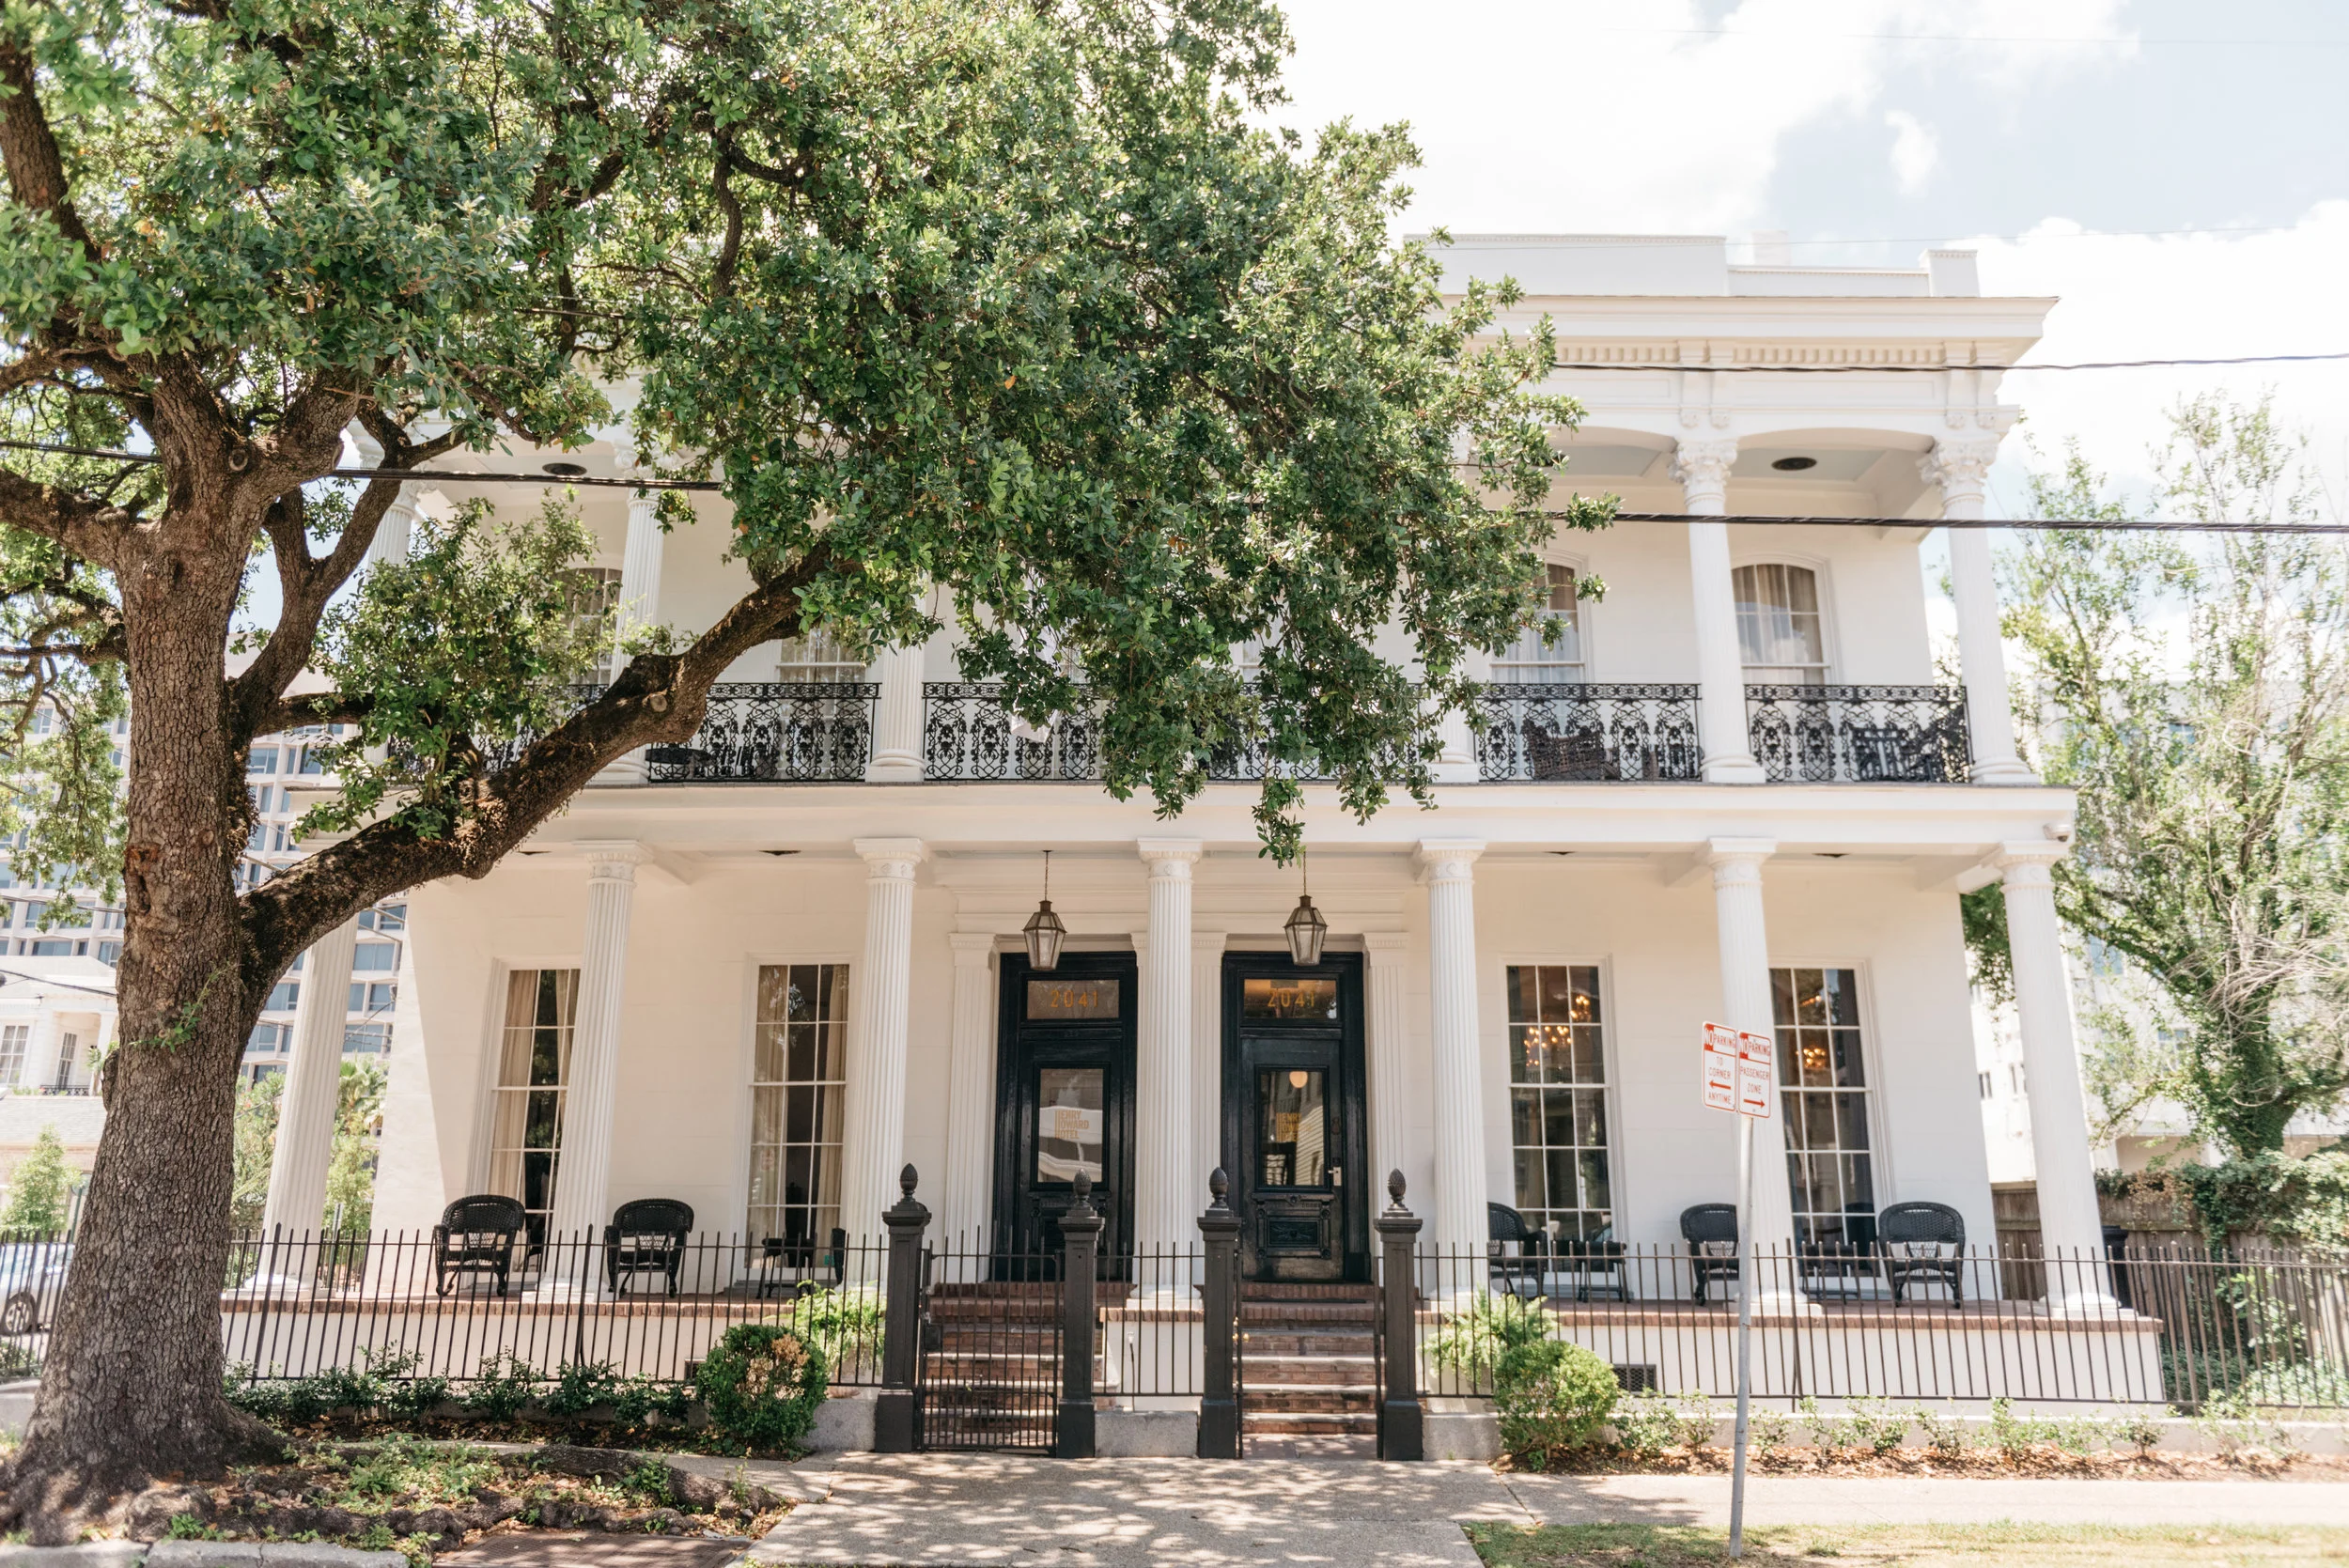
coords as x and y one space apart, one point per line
1832 854
1561 851
779 851
567 471
1784 465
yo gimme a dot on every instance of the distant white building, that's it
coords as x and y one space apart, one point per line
57 1021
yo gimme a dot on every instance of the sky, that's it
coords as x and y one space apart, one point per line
2177 173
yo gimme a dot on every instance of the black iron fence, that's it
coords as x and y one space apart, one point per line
1858 733
2136 1326
1587 732
774 732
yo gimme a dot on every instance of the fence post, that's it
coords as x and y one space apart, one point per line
1081 1245
894 1413
1218 1404
1399 1420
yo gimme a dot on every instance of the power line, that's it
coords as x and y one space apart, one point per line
2132 525
1940 369
2059 525
1639 241
1799 35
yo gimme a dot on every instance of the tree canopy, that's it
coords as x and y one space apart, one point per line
2197 695
1020 301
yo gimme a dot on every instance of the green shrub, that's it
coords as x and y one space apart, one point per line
582 1385
2082 1436
1877 1425
762 1384
1552 1396
2320 1383
1945 1433
1474 1339
844 1323
635 1402
503 1386
2143 1431
414 1398
1770 1432
1644 1423
1829 1435
1694 1426
2016 1435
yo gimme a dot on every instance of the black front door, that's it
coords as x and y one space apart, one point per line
1065 1101
1293 1133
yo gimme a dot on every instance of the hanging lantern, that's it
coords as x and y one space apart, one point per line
1044 933
1306 929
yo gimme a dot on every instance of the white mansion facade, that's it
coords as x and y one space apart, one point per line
762 971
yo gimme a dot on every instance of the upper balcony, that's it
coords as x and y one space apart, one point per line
1567 733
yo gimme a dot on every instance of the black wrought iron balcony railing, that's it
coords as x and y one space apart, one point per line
1587 732
1859 734
969 733
774 732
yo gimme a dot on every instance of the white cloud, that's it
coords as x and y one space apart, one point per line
1916 150
2125 296
1627 116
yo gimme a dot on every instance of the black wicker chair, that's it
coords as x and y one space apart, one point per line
1711 1232
1505 1227
646 1236
1923 1241
1596 1262
476 1235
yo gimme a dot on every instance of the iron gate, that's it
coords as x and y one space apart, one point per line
990 1372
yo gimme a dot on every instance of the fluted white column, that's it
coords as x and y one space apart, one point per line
2069 1222
41 1045
1702 469
1458 1220
639 605
1745 953
874 1136
582 1168
1390 1090
1165 1209
965 1196
394 532
897 725
312 1091
1961 469
1206 1061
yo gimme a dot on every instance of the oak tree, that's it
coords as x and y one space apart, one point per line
1013 298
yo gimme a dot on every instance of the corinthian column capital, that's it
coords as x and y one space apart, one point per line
1702 468
1960 467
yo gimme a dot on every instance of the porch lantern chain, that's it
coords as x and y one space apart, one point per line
1044 932
1306 928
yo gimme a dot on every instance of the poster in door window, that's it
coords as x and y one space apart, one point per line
1068 1123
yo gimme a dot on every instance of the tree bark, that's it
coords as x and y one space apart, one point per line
131 1387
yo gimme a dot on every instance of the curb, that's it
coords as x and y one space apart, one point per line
264 1554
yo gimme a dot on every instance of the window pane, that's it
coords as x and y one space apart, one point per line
795 1164
1558 1133
1068 1131
533 1061
1292 1141
1827 1123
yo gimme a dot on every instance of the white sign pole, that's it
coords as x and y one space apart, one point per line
1745 1335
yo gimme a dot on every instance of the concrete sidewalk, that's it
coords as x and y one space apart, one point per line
985 1509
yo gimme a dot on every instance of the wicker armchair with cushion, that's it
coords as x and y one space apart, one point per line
476 1235
1923 1241
1711 1232
646 1236
1520 1273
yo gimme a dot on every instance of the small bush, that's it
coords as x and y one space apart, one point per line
2318 1383
2142 1431
635 1402
1552 1396
1831 1435
2014 1435
1877 1427
1644 1423
1694 1426
503 1387
762 1384
1474 1339
1770 1432
2081 1435
649 1482
582 1385
1945 1434
414 1398
843 1323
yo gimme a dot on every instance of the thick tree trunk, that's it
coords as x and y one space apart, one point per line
130 1395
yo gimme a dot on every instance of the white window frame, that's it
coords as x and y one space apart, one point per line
16 1039
1610 1055
492 1045
1872 1061
746 1068
1580 667
1823 583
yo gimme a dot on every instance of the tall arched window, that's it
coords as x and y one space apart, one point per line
1552 650
1780 638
